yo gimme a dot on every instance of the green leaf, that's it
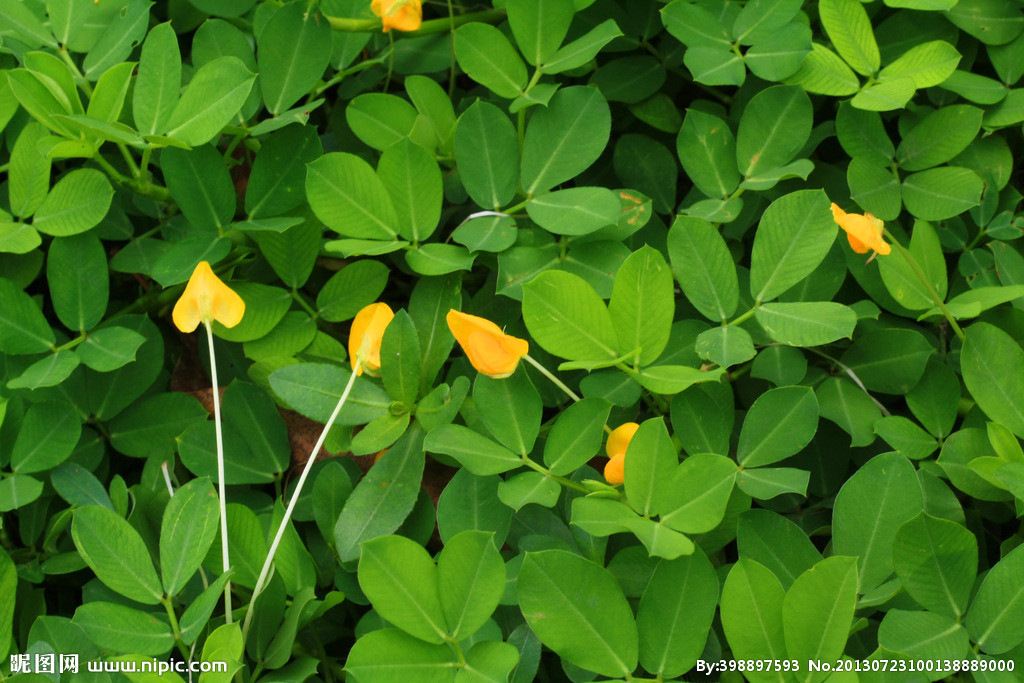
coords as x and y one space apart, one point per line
906 437
528 488
471 581
278 176
725 346
158 82
475 452
775 542
671 379
889 361
28 172
539 27
401 581
849 28
212 99
795 234
991 360
874 187
78 486
50 371
871 507
715 66
511 409
817 612
380 120
487 155
76 271
149 427
707 150
576 435
941 193
774 127
700 423
761 18
576 211
923 634
48 434
693 25
764 483
201 185
806 323
565 138
990 21
489 661
413 180
293 49
752 603
994 620
823 72
400 359
78 201
223 645
675 614
187 530
642 304
18 238
779 55
439 259
125 28
937 562
18 19
578 610
583 49
779 424
352 288
704 267
121 629
567 318
698 492
383 498
390 654
314 389
929 64
115 551
485 54
471 502
862 134
18 490
939 137
347 195
893 94
650 463
9 586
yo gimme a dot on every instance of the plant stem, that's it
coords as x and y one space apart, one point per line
175 627
568 483
554 380
265 571
912 262
226 563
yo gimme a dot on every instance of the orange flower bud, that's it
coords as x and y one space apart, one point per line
365 337
404 15
490 350
863 231
618 440
207 298
613 471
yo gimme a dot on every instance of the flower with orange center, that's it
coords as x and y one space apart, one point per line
618 442
207 298
404 15
490 350
863 231
366 335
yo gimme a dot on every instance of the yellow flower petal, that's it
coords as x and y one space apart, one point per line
490 350
207 298
615 469
365 337
404 15
864 232
618 440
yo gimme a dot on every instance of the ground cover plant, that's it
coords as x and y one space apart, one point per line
535 340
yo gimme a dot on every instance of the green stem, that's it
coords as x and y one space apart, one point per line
128 159
451 73
226 562
554 380
175 628
568 483
442 25
265 571
743 318
928 285
302 302
82 81
146 189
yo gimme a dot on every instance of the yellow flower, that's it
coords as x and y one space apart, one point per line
365 337
618 442
490 350
207 298
404 15
863 231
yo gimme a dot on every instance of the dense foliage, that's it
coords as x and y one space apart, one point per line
765 256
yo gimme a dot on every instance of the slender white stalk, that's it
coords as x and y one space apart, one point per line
557 382
167 478
220 473
265 571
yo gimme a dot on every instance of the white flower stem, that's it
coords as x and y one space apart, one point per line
265 571
220 473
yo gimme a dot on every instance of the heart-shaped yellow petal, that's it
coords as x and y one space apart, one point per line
207 298
490 350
